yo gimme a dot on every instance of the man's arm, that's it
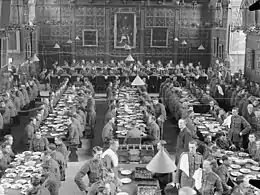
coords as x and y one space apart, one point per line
246 126
218 185
108 162
83 172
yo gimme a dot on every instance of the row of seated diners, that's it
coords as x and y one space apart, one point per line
65 117
100 80
16 101
54 123
211 131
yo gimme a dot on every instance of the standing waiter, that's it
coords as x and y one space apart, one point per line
160 114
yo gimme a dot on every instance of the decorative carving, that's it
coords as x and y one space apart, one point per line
160 21
80 11
149 21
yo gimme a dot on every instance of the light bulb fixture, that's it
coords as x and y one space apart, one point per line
69 41
56 46
184 42
176 39
201 47
77 38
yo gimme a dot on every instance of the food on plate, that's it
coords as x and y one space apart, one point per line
255 168
229 152
7 180
9 170
16 186
12 175
30 163
24 175
143 173
125 180
246 171
21 181
126 172
146 190
243 154
27 153
235 173
235 166
6 185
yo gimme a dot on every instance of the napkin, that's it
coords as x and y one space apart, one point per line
227 121
220 90
184 164
198 178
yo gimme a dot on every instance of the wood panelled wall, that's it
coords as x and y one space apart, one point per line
189 23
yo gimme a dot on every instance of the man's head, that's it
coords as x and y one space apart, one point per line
250 108
235 111
251 137
182 124
193 146
97 152
211 103
207 166
114 145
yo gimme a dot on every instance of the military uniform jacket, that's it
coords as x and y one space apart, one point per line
238 125
182 145
211 183
195 162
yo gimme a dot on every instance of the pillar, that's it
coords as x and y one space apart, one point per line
142 33
107 33
176 34
73 30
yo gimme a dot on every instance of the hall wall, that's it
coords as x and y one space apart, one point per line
188 23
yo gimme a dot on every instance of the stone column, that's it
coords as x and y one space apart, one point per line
107 33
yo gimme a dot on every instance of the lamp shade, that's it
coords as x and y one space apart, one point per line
56 46
129 58
77 38
184 42
127 47
69 41
137 81
35 58
201 47
161 163
176 39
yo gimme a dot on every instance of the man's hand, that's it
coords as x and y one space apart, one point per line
177 185
240 133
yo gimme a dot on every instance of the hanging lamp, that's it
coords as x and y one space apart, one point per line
176 39
201 47
184 42
56 46
69 41
77 38
35 58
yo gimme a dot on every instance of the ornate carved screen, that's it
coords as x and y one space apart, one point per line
159 37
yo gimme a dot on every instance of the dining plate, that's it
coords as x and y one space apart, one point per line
11 175
24 175
235 173
245 171
30 163
243 154
7 180
37 153
235 166
126 180
126 172
122 193
16 186
10 170
6 185
21 181
255 168
229 153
